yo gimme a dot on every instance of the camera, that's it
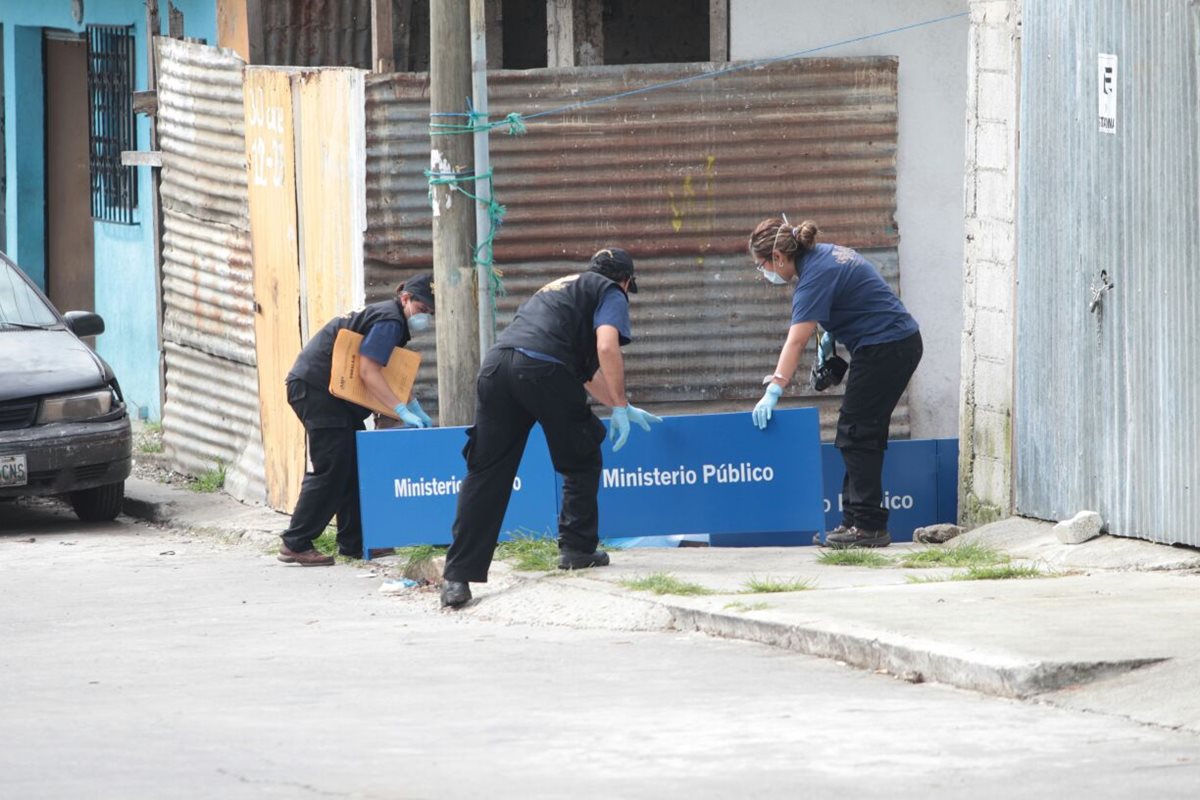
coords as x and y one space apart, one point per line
827 373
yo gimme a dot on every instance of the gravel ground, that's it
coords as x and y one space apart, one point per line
149 461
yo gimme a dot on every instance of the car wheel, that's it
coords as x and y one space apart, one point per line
100 504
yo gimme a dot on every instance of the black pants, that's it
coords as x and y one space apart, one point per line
331 488
878 376
514 391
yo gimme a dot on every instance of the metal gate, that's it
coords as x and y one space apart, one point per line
1107 415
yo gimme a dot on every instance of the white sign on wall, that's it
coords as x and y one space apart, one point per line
1107 92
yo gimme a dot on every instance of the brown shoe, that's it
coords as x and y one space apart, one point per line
307 558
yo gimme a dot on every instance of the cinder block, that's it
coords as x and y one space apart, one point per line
993 385
993 335
997 96
996 195
996 50
1080 528
993 147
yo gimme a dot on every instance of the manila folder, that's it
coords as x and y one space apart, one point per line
345 380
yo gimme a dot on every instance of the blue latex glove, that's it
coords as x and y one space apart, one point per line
618 427
408 417
641 418
414 406
824 347
762 411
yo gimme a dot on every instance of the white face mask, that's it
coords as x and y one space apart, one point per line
420 322
771 276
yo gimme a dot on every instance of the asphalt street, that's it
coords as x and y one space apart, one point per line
141 662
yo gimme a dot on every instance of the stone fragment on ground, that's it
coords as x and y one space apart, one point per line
429 570
936 534
1080 528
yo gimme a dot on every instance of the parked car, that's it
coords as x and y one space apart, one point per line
64 429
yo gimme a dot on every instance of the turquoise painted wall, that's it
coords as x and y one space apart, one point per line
126 294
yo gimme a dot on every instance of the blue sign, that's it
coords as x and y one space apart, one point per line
917 476
717 474
409 480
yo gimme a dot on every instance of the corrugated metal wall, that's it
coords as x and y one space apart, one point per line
317 33
211 414
679 177
337 33
1107 411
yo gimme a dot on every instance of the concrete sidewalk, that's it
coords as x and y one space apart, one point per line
1110 628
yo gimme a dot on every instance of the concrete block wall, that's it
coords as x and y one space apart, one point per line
989 279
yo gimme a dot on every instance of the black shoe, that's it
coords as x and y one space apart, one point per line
858 537
455 594
576 559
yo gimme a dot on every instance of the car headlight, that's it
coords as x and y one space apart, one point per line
70 407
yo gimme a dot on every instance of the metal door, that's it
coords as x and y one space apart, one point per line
1107 415
70 265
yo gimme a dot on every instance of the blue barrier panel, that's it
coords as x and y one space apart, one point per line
910 486
409 481
947 480
716 474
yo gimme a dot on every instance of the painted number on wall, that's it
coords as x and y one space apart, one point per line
267 147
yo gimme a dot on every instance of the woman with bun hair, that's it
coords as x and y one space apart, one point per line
841 291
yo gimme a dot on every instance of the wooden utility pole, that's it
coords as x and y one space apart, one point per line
453 214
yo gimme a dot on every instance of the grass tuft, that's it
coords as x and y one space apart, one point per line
209 482
150 446
664 583
529 551
769 585
738 605
999 573
854 557
326 543
971 555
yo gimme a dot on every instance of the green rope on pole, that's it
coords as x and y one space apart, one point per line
483 253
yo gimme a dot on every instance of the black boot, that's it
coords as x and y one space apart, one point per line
577 559
455 594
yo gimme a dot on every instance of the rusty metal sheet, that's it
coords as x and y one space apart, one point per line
212 420
679 177
208 293
317 33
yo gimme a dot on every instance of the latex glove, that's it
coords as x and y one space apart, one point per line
408 417
414 406
762 411
641 418
824 347
618 427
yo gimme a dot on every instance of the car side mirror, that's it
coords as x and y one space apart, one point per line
84 323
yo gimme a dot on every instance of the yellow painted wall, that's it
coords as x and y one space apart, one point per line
331 157
275 246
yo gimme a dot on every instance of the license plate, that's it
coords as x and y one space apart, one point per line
12 470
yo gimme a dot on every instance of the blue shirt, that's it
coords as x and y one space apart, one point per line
613 309
383 337
846 295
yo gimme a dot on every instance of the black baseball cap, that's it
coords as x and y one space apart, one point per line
614 264
420 287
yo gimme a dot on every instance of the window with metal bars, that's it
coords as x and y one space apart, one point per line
111 65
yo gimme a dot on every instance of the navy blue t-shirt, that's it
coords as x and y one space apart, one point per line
613 309
383 337
846 295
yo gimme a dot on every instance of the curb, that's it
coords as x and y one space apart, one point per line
217 516
909 659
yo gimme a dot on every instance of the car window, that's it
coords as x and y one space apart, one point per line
20 305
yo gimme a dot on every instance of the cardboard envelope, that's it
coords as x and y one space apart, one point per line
345 380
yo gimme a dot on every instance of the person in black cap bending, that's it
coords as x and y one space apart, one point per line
564 340
331 489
